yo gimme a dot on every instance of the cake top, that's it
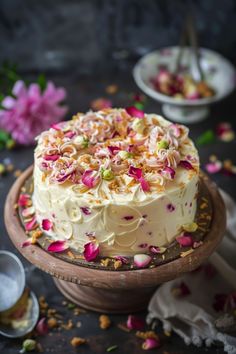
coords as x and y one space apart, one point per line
117 153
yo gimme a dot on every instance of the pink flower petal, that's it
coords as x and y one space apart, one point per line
58 246
151 343
157 250
135 172
23 200
91 250
113 149
142 260
128 217
186 164
168 172
134 322
134 112
31 225
144 184
42 327
85 210
47 224
213 167
175 129
88 179
27 243
185 241
28 212
51 157
70 134
123 259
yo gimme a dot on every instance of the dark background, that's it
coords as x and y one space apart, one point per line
85 46
90 36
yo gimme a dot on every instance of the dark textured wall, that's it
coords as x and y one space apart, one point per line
96 35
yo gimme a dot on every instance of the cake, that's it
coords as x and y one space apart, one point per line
118 177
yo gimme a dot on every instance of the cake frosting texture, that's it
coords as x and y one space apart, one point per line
126 179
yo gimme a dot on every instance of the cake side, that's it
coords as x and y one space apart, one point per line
129 182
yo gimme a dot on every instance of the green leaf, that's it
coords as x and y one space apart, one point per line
205 138
42 82
139 105
113 347
4 136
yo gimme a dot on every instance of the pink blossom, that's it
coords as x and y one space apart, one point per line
31 111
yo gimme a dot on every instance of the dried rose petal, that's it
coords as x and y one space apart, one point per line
23 200
91 250
181 290
88 179
157 250
42 327
142 260
134 322
123 259
186 164
135 112
135 172
151 343
175 129
213 167
113 149
85 210
28 212
58 246
27 243
185 241
47 224
51 157
31 225
168 172
128 217
144 184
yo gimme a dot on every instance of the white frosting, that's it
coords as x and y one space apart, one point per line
125 220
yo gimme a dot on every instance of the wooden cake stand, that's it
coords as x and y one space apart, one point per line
121 291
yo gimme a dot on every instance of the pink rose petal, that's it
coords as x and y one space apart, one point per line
47 224
28 212
91 250
142 260
213 167
42 327
27 243
185 241
186 164
31 225
157 250
134 322
175 129
23 200
151 343
134 112
88 179
123 259
144 184
135 172
58 246
85 210
168 172
113 149
51 157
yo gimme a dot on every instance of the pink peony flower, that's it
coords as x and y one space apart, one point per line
31 111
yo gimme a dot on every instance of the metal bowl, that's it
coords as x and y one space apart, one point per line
12 280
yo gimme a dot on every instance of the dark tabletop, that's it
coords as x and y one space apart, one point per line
81 91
